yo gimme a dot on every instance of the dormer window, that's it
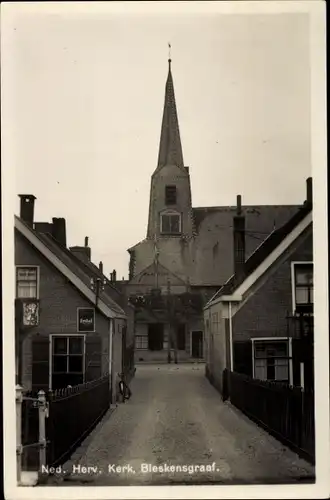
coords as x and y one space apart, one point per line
170 223
170 195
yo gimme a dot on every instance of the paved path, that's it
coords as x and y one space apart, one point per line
176 418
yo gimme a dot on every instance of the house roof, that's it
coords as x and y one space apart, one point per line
114 292
66 263
263 251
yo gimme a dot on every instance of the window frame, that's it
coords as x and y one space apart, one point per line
169 187
274 339
29 266
295 264
142 338
65 336
171 213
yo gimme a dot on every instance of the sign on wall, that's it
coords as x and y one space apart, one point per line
86 319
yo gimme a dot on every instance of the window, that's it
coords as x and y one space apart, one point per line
26 282
271 359
141 342
170 195
303 284
171 223
67 361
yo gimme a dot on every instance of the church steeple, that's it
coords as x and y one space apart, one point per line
170 149
170 212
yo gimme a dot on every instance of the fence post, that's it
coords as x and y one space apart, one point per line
42 429
19 448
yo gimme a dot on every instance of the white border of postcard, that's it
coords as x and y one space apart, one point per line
316 10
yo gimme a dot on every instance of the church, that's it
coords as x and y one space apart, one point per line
187 250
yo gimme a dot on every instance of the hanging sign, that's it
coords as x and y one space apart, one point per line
86 319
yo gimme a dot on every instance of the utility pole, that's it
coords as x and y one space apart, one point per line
97 286
172 340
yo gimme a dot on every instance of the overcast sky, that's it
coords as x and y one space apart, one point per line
87 98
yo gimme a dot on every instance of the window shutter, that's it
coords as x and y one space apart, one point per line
93 360
243 358
40 363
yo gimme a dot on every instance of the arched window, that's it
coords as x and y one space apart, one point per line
170 222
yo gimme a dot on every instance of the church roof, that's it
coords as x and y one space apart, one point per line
213 262
170 149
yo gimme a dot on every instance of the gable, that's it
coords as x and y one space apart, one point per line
286 244
62 262
147 277
272 298
59 298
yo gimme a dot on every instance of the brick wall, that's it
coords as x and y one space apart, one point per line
264 314
59 301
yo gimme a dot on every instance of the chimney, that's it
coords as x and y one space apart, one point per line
59 230
83 253
239 240
101 266
114 276
309 191
27 208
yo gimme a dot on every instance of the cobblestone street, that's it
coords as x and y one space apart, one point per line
175 417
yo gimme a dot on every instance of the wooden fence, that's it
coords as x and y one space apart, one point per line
73 412
284 411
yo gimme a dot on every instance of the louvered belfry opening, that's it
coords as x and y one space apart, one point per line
170 195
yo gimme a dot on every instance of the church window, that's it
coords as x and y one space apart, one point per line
171 223
170 195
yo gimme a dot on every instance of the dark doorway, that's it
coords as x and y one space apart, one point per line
155 336
197 344
181 337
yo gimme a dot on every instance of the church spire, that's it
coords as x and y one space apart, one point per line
170 150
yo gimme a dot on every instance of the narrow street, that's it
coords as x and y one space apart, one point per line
175 417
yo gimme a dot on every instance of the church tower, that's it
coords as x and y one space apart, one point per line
170 210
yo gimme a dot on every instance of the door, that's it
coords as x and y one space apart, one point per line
155 336
197 344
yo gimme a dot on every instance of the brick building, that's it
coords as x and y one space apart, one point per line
260 322
186 249
69 328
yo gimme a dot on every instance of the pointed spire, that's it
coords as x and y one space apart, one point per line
170 150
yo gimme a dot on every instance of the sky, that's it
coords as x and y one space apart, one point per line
87 96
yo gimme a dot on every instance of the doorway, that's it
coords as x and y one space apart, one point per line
155 336
197 344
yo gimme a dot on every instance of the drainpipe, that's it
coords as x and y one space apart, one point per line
231 338
111 321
